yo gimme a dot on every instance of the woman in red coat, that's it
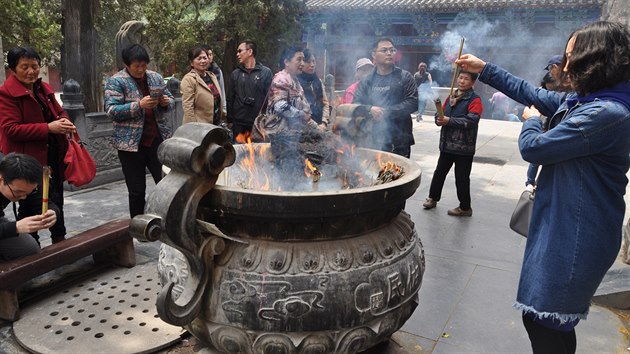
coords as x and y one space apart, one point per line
32 122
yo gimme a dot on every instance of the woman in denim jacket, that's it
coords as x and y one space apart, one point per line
136 101
575 229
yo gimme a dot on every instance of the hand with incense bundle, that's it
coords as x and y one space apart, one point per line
45 188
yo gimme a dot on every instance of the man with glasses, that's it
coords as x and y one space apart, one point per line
19 177
391 96
247 89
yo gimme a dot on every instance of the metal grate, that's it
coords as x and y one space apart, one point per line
113 312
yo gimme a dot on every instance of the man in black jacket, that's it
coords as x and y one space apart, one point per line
247 90
391 96
19 177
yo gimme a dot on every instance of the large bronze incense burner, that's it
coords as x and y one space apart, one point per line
319 270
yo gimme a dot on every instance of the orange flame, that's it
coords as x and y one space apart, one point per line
309 169
256 178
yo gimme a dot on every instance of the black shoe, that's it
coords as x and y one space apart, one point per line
56 239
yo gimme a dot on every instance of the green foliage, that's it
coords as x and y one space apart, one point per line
272 24
173 27
36 23
111 15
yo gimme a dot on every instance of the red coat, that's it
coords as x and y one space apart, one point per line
23 126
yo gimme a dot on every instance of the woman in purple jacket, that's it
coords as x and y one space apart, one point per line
575 229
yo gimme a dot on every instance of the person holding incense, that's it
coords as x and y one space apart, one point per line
390 95
458 140
19 177
576 223
32 122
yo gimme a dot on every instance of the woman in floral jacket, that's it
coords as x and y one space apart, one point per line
136 100
287 98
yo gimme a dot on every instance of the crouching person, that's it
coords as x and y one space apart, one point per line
19 177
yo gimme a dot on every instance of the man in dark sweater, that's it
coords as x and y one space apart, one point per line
391 96
19 176
458 139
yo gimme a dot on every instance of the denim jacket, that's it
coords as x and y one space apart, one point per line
576 223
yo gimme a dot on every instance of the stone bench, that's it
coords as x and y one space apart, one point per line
108 243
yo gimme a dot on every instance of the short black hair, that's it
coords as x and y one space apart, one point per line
383 39
251 45
288 53
473 76
15 54
135 52
19 166
600 57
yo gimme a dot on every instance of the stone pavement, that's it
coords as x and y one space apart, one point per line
472 263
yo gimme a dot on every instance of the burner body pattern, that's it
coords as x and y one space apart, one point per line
250 271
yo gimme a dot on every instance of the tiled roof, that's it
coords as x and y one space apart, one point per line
443 5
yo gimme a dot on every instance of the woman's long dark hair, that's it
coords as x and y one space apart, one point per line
600 57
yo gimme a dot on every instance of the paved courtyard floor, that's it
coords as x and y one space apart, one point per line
472 264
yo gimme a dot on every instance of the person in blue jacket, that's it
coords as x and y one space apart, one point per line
576 224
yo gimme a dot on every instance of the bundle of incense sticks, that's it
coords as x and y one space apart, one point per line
45 187
438 107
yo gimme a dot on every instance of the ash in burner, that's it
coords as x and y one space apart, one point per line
310 160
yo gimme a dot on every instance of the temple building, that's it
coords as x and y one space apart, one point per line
519 35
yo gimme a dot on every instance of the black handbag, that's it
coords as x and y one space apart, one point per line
519 222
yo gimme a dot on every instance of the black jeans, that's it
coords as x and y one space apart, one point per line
133 167
463 166
549 341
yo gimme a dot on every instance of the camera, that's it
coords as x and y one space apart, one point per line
249 101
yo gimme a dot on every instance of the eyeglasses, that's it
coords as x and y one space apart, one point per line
11 189
387 50
242 50
21 193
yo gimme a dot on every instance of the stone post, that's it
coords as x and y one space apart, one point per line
73 105
177 114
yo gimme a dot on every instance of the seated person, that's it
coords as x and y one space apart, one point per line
19 177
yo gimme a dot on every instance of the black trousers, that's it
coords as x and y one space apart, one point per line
549 341
463 166
133 167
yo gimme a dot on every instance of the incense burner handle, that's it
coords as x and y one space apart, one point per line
196 155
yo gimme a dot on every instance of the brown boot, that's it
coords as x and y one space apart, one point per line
460 212
429 203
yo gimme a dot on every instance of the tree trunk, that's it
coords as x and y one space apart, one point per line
78 54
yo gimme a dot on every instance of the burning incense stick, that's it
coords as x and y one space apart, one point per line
45 184
461 47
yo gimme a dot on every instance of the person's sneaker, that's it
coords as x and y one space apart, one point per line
460 212
429 203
